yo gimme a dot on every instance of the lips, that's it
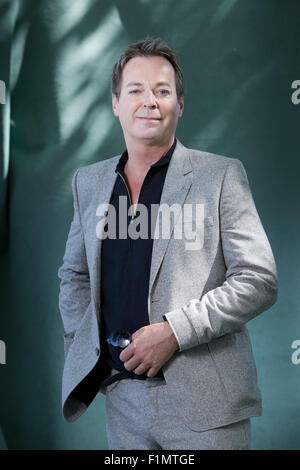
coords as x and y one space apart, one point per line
150 118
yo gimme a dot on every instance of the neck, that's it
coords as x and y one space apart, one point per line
142 155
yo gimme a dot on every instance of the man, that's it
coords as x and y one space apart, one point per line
186 377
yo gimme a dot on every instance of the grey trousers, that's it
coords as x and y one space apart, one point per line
141 415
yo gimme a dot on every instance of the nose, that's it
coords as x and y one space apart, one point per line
149 100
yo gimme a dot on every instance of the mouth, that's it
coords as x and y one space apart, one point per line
150 118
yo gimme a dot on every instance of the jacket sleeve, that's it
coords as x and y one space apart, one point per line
250 285
75 293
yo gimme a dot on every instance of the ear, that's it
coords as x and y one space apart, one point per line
115 105
181 106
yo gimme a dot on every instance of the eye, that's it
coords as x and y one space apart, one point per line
133 92
164 92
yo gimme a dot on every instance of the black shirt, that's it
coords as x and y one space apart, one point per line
125 263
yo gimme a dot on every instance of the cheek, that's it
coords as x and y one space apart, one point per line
170 110
171 116
131 108
126 113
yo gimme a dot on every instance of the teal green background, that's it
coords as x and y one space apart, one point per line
240 58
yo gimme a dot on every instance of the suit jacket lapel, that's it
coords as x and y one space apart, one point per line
177 183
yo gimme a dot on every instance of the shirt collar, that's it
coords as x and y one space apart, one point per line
164 160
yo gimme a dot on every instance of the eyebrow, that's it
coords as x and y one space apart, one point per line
140 84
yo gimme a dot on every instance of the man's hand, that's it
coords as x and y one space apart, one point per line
151 346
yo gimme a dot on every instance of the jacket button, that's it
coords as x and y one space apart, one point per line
97 351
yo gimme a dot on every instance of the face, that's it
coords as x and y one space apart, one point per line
148 108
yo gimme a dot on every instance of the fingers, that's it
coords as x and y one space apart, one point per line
134 364
128 352
152 372
138 363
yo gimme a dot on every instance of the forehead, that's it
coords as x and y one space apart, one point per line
142 69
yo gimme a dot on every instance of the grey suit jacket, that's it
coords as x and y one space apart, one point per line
208 294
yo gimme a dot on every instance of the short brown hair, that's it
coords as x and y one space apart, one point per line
146 48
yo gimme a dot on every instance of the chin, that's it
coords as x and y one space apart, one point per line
154 137
148 135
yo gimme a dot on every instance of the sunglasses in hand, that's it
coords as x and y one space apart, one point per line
119 339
